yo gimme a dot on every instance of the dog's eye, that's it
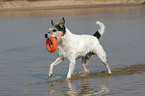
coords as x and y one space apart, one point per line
54 30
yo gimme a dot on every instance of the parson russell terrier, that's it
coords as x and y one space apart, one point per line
75 46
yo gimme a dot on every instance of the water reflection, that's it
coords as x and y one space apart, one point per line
82 87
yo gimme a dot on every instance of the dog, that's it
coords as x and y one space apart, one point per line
74 46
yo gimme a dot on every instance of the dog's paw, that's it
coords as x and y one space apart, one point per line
68 79
50 75
109 72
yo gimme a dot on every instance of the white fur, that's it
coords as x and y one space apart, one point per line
101 27
75 46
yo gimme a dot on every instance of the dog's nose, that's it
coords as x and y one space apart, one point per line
46 35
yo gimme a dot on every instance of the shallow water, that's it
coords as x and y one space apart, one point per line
24 60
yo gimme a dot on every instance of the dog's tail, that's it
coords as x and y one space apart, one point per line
100 32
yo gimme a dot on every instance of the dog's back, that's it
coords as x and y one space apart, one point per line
80 45
86 42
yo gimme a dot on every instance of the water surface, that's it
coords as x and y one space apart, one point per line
24 60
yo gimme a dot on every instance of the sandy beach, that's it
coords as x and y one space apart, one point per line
64 4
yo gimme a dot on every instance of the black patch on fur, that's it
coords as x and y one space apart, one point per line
97 34
60 28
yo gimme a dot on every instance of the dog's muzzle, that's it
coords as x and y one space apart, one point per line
46 35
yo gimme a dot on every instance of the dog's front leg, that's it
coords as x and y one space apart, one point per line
71 68
56 62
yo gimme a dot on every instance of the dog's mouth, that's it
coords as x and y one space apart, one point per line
49 36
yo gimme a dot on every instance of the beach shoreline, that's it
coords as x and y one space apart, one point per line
52 5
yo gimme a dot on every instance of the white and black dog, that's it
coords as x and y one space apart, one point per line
75 46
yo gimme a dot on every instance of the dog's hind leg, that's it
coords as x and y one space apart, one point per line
104 60
56 62
102 55
85 61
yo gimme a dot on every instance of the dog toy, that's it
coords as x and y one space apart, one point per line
51 44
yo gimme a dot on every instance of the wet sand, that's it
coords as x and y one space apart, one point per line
129 70
49 5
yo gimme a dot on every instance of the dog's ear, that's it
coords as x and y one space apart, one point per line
52 22
62 21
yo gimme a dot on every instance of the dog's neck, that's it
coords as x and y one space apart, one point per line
67 35
65 39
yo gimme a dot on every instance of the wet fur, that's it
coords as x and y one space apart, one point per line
74 46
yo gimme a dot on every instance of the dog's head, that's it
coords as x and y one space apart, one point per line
57 30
